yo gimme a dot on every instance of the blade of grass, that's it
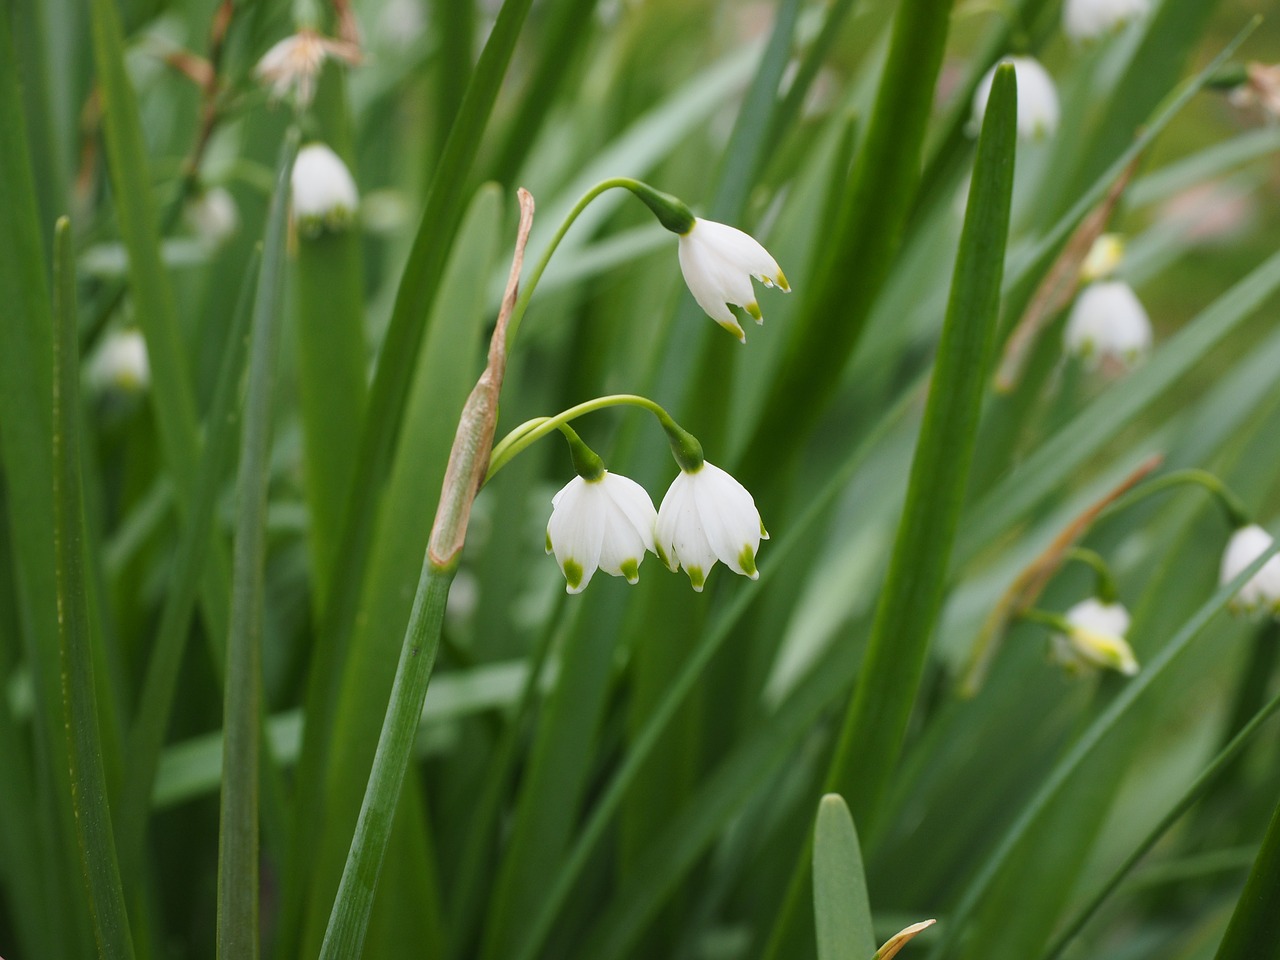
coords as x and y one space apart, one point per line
1089 741
238 898
146 735
840 905
26 359
1219 765
381 428
88 778
1254 929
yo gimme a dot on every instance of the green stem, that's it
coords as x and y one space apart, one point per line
1237 513
1105 583
530 432
1046 618
669 211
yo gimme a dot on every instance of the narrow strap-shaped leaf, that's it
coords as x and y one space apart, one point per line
242 703
841 909
876 719
881 191
1254 930
146 736
88 779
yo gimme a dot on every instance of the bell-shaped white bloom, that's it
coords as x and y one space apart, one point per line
604 524
718 262
324 193
1038 110
120 363
1103 258
1262 592
1090 19
213 216
295 62
1096 639
708 516
1108 323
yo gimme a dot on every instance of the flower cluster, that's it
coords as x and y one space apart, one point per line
607 522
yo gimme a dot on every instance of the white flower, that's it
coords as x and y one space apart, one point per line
1096 639
1090 19
708 516
121 363
1037 99
604 524
324 194
1108 323
1262 592
295 63
718 262
1261 88
1103 257
213 215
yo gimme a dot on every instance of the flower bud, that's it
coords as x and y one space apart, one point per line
324 194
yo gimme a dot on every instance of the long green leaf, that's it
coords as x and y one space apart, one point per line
242 704
88 778
1254 930
840 905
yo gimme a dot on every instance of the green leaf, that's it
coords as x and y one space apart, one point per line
238 861
84 747
840 905
1254 929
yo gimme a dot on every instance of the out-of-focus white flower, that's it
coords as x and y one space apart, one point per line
1096 639
120 363
295 62
1090 19
1108 324
1262 592
707 516
1261 88
604 524
213 216
1103 257
324 193
401 23
1038 110
718 262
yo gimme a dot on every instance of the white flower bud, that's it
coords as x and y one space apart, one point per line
1091 19
1096 639
1108 324
718 262
1262 592
1038 110
324 194
604 524
120 363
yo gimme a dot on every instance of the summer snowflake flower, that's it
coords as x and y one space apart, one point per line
604 524
295 63
121 363
1038 110
1096 639
1262 592
708 516
1090 19
718 262
1108 323
324 193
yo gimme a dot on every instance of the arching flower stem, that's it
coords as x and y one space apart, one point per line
671 213
684 446
1237 513
1105 583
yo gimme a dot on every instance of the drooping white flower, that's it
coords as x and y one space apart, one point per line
1096 639
1090 19
707 516
603 524
1262 592
295 62
1038 110
1108 323
213 215
324 193
120 363
718 262
1103 257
